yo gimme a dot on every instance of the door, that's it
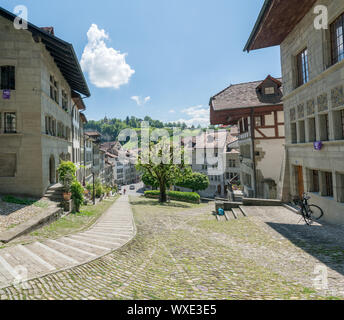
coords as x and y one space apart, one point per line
52 171
300 185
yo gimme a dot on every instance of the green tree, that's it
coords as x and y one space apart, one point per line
158 164
150 180
194 180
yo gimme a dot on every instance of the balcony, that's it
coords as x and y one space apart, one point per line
244 136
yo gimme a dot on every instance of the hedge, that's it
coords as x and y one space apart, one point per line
191 197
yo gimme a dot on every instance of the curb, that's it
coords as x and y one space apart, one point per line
84 262
39 221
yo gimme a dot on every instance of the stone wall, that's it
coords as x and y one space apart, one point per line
30 146
322 95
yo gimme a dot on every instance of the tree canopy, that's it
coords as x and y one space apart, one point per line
193 180
159 168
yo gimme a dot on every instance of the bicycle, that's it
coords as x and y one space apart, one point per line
310 213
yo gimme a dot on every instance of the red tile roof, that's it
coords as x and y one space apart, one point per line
242 95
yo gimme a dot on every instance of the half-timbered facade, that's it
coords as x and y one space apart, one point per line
257 109
313 84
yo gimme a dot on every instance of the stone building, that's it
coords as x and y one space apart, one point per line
214 154
39 72
125 172
313 81
257 109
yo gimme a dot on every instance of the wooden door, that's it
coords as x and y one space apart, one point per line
300 185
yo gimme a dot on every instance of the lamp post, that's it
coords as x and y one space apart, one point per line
94 191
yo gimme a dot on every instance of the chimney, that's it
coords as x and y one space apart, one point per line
49 30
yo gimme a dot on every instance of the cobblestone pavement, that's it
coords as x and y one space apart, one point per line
114 229
184 253
12 214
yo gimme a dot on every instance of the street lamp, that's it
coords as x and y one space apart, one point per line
94 191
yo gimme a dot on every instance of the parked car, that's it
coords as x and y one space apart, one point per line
132 187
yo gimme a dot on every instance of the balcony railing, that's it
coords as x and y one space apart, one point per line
244 135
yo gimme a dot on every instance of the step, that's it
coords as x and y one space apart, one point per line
83 246
238 213
244 211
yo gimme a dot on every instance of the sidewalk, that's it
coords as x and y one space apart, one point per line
113 230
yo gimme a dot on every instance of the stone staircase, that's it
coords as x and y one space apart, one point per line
233 214
54 193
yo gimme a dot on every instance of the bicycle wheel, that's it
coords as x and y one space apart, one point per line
315 212
307 217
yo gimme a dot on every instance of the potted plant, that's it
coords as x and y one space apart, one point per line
66 172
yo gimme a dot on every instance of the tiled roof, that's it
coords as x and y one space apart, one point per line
240 95
61 51
93 133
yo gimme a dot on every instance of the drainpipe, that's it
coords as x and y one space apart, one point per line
253 152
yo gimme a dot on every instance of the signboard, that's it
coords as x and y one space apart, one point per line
318 145
6 94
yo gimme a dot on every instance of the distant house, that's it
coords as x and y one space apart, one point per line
214 154
257 109
40 80
313 84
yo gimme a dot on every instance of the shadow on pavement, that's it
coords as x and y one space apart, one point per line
324 242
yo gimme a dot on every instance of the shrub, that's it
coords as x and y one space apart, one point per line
190 197
66 172
99 190
77 195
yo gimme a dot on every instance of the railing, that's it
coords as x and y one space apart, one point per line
244 136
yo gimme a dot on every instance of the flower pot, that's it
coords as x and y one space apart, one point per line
67 196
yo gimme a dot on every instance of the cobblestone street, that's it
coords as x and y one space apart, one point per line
182 252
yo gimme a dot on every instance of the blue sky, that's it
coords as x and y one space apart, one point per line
179 53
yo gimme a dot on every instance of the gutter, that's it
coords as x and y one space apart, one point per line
266 6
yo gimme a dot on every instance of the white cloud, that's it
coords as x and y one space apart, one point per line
106 66
140 101
198 115
172 111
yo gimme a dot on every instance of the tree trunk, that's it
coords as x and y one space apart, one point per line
163 195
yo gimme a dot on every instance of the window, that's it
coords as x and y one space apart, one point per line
324 127
270 90
340 187
259 121
311 130
54 91
342 122
64 100
302 67
46 125
328 184
10 122
293 133
315 181
7 79
337 39
246 125
302 132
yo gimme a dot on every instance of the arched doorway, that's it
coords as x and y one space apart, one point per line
52 171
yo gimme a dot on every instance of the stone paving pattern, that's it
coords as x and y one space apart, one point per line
114 229
182 253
